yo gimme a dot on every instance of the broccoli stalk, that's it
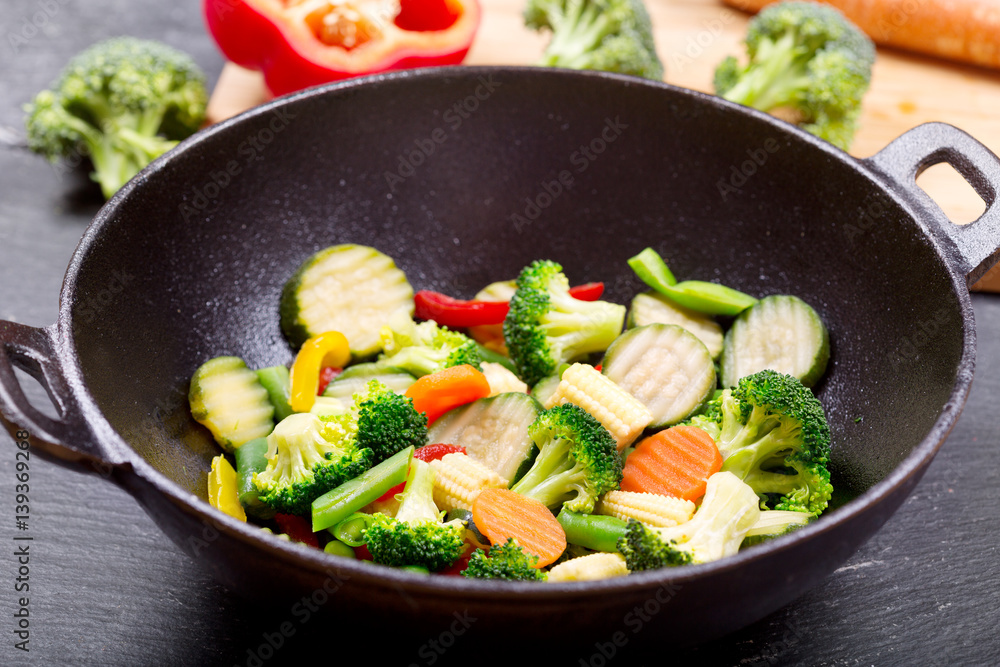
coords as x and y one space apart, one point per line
421 349
416 536
546 326
577 460
728 510
610 35
775 523
807 58
123 102
306 458
505 561
775 437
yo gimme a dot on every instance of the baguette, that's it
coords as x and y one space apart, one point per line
963 30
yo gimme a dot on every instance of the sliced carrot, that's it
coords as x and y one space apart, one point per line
439 392
501 514
675 462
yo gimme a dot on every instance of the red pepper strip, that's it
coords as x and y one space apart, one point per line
459 314
303 44
587 291
436 451
326 376
297 529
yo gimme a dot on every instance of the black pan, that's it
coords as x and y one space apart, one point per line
464 176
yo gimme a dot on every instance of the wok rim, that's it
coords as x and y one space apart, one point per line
440 587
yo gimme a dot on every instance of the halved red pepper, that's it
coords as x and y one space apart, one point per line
458 313
303 43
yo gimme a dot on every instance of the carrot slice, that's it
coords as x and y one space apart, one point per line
439 392
675 462
501 514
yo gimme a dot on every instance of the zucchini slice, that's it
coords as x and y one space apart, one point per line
780 332
666 367
228 399
353 289
494 431
653 308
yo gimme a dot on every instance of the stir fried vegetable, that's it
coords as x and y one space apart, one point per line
551 472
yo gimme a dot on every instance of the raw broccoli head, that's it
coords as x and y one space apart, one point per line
306 458
424 348
807 58
709 417
774 436
577 460
387 422
728 510
505 561
609 35
546 326
416 535
123 102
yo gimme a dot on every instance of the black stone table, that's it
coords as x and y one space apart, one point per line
107 588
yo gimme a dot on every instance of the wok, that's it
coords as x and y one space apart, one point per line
464 175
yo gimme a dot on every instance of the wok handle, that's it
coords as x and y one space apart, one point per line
973 248
67 437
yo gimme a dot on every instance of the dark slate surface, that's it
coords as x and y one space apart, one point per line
106 587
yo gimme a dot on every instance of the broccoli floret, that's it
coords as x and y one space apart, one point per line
806 58
775 523
728 510
577 460
505 561
709 417
306 458
610 35
387 422
421 349
546 326
416 536
123 102
775 437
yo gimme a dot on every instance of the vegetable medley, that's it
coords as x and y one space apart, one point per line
534 433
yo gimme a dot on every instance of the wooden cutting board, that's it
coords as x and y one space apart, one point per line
692 36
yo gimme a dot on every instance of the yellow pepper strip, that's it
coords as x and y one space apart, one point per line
327 349
222 492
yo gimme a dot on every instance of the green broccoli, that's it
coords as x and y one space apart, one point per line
307 457
728 510
421 349
610 35
123 102
775 437
387 422
546 326
505 561
774 523
709 416
577 460
416 536
806 58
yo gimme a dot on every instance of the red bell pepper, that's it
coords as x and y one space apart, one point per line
458 313
303 43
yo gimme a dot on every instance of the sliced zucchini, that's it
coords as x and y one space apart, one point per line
228 399
666 367
654 308
355 379
494 431
780 332
348 288
545 387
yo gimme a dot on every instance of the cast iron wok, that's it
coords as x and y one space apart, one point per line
464 175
